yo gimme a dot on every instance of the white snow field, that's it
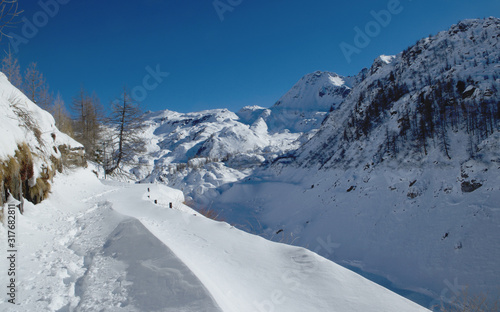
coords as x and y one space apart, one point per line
106 246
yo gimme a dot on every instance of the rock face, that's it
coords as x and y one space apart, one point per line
306 105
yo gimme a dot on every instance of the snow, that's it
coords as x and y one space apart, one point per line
387 58
200 151
314 93
381 231
16 129
337 81
96 246
469 88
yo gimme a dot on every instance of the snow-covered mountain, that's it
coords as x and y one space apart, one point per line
201 151
402 178
197 152
305 106
427 97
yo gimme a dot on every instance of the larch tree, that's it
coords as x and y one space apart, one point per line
88 121
11 69
126 120
61 116
36 88
46 97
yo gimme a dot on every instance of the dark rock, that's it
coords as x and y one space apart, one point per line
471 186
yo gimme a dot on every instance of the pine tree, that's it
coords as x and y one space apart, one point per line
444 134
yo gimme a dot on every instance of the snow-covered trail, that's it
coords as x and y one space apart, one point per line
89 248
78 254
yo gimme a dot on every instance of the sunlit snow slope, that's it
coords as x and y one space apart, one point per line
109 247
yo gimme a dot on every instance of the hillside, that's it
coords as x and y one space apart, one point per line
441 94
32 149
403 177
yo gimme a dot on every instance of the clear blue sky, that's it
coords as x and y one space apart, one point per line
251 57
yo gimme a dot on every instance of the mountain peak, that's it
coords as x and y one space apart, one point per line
317 91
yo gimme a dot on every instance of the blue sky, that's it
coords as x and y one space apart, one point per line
250 52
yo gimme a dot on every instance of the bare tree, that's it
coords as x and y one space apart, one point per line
61 116
95 120
32 82
46 97
78 107
9 10
126 120
11 69
88 121
36 88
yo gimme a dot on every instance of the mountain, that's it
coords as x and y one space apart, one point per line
401 179
201 151
306 105
443 89
32 149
